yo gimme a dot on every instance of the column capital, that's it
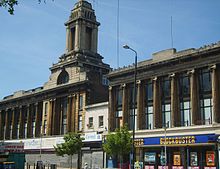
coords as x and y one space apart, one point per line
155 78
213 67
123 85
138 82
110 88
172 75
190 72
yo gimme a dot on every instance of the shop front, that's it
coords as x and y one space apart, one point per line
178 152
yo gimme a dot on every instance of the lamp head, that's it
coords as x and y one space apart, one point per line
126 47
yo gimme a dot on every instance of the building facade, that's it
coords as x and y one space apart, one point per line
76 80
177 119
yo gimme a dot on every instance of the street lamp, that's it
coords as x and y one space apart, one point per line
134 101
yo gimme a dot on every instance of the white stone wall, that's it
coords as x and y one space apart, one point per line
96 110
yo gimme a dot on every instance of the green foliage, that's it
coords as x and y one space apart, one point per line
72 145
10 4
118 143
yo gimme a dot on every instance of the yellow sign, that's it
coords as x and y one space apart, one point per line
138 142
178 140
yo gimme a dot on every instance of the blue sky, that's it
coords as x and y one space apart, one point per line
34 38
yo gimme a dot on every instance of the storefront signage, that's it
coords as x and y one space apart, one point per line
176 159
138 142
177 167
181 140
12 147
148 167
162 167
178 140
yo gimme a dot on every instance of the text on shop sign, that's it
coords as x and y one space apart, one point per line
178 140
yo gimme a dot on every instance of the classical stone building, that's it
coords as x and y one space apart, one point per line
178 97
76 80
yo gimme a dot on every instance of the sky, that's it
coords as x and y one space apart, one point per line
33 38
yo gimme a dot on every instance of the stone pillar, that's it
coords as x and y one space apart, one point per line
194 98
38 119
157 103
21 122
77 37
14 124
77 112
1 125
73 114
69 113
215 95
175 111
55 121
67 39
49 118
125 105
111 108
7 124
140 105
29 121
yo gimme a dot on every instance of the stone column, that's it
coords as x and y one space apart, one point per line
67 39
111 108
69 113
157 103
77 112
7 124
55 121
29 121
77 37
73 114
215 95
21 122
140 105
125 105
1 125
14 124
49 118
194 98
175 111
38 119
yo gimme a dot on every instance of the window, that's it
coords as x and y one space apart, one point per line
118 113
100 121
81 102
132 107
63 78
166 109
25 130
80 123
46 109
88 38
205 96
184 96
149 105
11 128
64 115
45 127
33 128
90 122
18 130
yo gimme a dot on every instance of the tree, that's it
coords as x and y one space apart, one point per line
72 145
10 4
118 144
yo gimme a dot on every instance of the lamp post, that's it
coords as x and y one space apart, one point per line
134 101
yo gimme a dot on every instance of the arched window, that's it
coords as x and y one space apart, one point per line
63 78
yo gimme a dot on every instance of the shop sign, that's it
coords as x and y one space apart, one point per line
181 140
178 140
92 137
193 167
12 147
139 142
209 167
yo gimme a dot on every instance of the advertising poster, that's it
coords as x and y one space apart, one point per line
150 157
210 158
162 158
193 159
176 159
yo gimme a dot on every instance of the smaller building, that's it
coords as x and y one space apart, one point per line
96 122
